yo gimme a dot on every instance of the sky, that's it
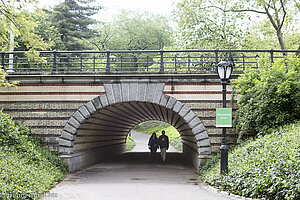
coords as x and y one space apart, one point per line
111 7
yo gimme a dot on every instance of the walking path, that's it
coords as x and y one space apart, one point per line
134 177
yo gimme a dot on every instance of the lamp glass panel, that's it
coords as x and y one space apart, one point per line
228 71
221 71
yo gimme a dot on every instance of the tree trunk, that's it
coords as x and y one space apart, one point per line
298 53
280 40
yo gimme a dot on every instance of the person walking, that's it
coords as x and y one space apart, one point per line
163 141
153 145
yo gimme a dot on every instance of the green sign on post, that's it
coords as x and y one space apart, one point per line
224 117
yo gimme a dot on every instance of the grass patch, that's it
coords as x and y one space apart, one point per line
27 168
150 126
130 143
268 167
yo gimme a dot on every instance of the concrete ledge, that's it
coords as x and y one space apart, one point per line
76 161
191 156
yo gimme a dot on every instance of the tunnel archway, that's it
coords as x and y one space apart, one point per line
99 128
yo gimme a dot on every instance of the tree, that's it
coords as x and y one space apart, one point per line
16 20
72 18
203 26
133 31
211 17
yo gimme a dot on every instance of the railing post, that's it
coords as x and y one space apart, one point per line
3 60
54 61
94 63
107 61
161 60
147 63
81 67
121 57
189 62
243 61
272 55
216 57
175 60
68 59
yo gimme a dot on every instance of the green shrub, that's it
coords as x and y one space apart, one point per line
268 167
27 169
130 143
268 96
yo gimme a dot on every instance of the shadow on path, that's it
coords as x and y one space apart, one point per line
133 176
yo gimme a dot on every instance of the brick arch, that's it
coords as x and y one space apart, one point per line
98 129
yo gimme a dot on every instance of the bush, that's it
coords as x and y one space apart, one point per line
27 169
130 143
268 96
268 167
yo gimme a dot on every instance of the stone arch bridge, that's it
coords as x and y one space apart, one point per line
87 117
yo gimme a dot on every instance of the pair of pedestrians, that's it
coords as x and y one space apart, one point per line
162 142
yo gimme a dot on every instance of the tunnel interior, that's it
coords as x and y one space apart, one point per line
98 130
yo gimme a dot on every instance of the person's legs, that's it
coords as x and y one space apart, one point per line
163 152
153 151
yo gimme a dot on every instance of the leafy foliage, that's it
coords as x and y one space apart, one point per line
27 169
268 167
224 24
130 143
268 96
14 18
202 25
133 31
4 82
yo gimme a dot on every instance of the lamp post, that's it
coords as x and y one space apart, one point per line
224 69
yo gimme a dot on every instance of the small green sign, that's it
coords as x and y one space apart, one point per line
224 117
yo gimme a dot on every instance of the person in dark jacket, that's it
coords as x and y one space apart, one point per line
153 145
163 141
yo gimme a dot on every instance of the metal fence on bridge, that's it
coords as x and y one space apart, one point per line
135 61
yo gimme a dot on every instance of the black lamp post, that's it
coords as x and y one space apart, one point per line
224 69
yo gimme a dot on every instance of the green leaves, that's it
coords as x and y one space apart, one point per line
268 167
268 97
133 31
15 19
27 169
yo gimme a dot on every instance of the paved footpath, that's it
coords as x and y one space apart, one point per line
133 176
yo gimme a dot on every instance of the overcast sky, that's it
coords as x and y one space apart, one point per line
111 7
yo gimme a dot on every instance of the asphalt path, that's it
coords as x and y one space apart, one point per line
135 176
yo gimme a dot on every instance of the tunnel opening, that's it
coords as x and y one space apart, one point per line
98 130
142 132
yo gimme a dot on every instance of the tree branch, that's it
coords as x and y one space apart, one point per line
243 10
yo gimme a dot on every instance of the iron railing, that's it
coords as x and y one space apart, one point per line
135 61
